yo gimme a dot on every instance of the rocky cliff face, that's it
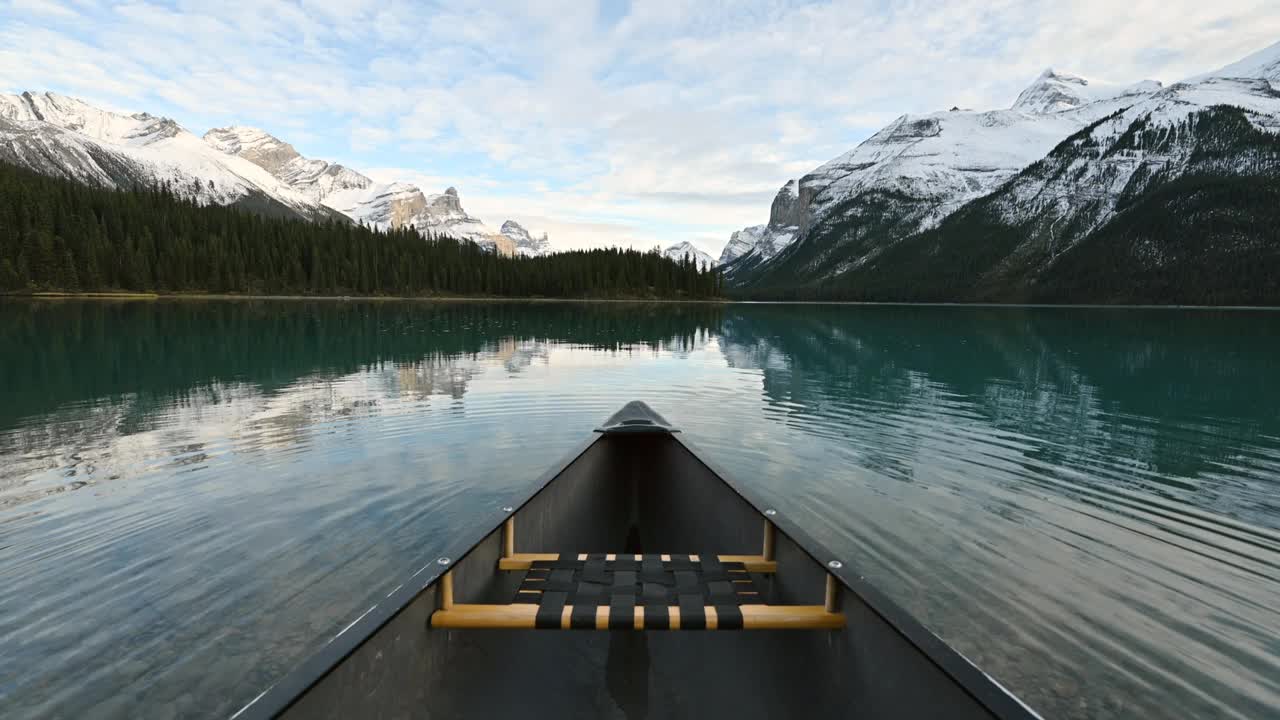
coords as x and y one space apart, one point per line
388 205
788 217
316 179
523 242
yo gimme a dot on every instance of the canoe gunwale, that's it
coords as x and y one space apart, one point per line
290 688
988 692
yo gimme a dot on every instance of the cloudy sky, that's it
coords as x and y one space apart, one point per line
602 123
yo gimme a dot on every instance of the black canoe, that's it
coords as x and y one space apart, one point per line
636 580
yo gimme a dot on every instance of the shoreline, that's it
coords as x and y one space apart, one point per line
153 296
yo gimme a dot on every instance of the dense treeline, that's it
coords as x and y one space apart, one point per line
56 234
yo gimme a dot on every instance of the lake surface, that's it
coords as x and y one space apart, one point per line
194 495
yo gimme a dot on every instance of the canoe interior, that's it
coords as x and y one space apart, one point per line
652 488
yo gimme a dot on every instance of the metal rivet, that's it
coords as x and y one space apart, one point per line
444 561
835 564
770 511
508 508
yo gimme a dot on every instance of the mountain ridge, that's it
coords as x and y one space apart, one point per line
233 165
1025 215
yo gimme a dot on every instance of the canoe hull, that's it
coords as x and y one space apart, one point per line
655 490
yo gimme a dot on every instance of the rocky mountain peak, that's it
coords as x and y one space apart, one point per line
790 205
446 204
524 242
684 248
80 117
1055 91
257 146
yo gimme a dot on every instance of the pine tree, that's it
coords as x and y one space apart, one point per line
9 280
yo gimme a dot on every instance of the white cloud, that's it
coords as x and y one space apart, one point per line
678 121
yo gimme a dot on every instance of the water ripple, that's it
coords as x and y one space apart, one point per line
205 493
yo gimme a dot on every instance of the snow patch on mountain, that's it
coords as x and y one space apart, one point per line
1264 64
1055 92
920 169
685 248
760 243
1118 157
316 179
55 134
525 243
380 205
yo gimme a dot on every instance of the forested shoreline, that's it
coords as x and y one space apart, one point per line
57 235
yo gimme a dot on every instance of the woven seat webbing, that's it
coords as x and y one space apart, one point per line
550 610
650 582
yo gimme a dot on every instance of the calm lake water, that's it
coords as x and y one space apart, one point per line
195 495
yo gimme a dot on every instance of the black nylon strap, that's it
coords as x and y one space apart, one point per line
651 570
654 594
593 570
681 562
686 581
728 617
583 617
624 582
656 617
692 614
587 593
550 610
721 592
557 581
622 612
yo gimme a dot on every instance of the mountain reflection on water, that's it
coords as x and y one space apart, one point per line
201 493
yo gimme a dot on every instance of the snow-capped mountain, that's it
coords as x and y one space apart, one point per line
59 135
757 244
525 244
316 179
384 205
678 252
918 170
1079 192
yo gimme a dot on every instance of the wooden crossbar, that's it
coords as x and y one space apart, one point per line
522 617
524 561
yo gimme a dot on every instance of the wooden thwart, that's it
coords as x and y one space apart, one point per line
522 617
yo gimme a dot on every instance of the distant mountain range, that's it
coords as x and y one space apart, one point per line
58 135
684 249
1080 192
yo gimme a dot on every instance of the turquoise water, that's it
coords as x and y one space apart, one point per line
194 495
